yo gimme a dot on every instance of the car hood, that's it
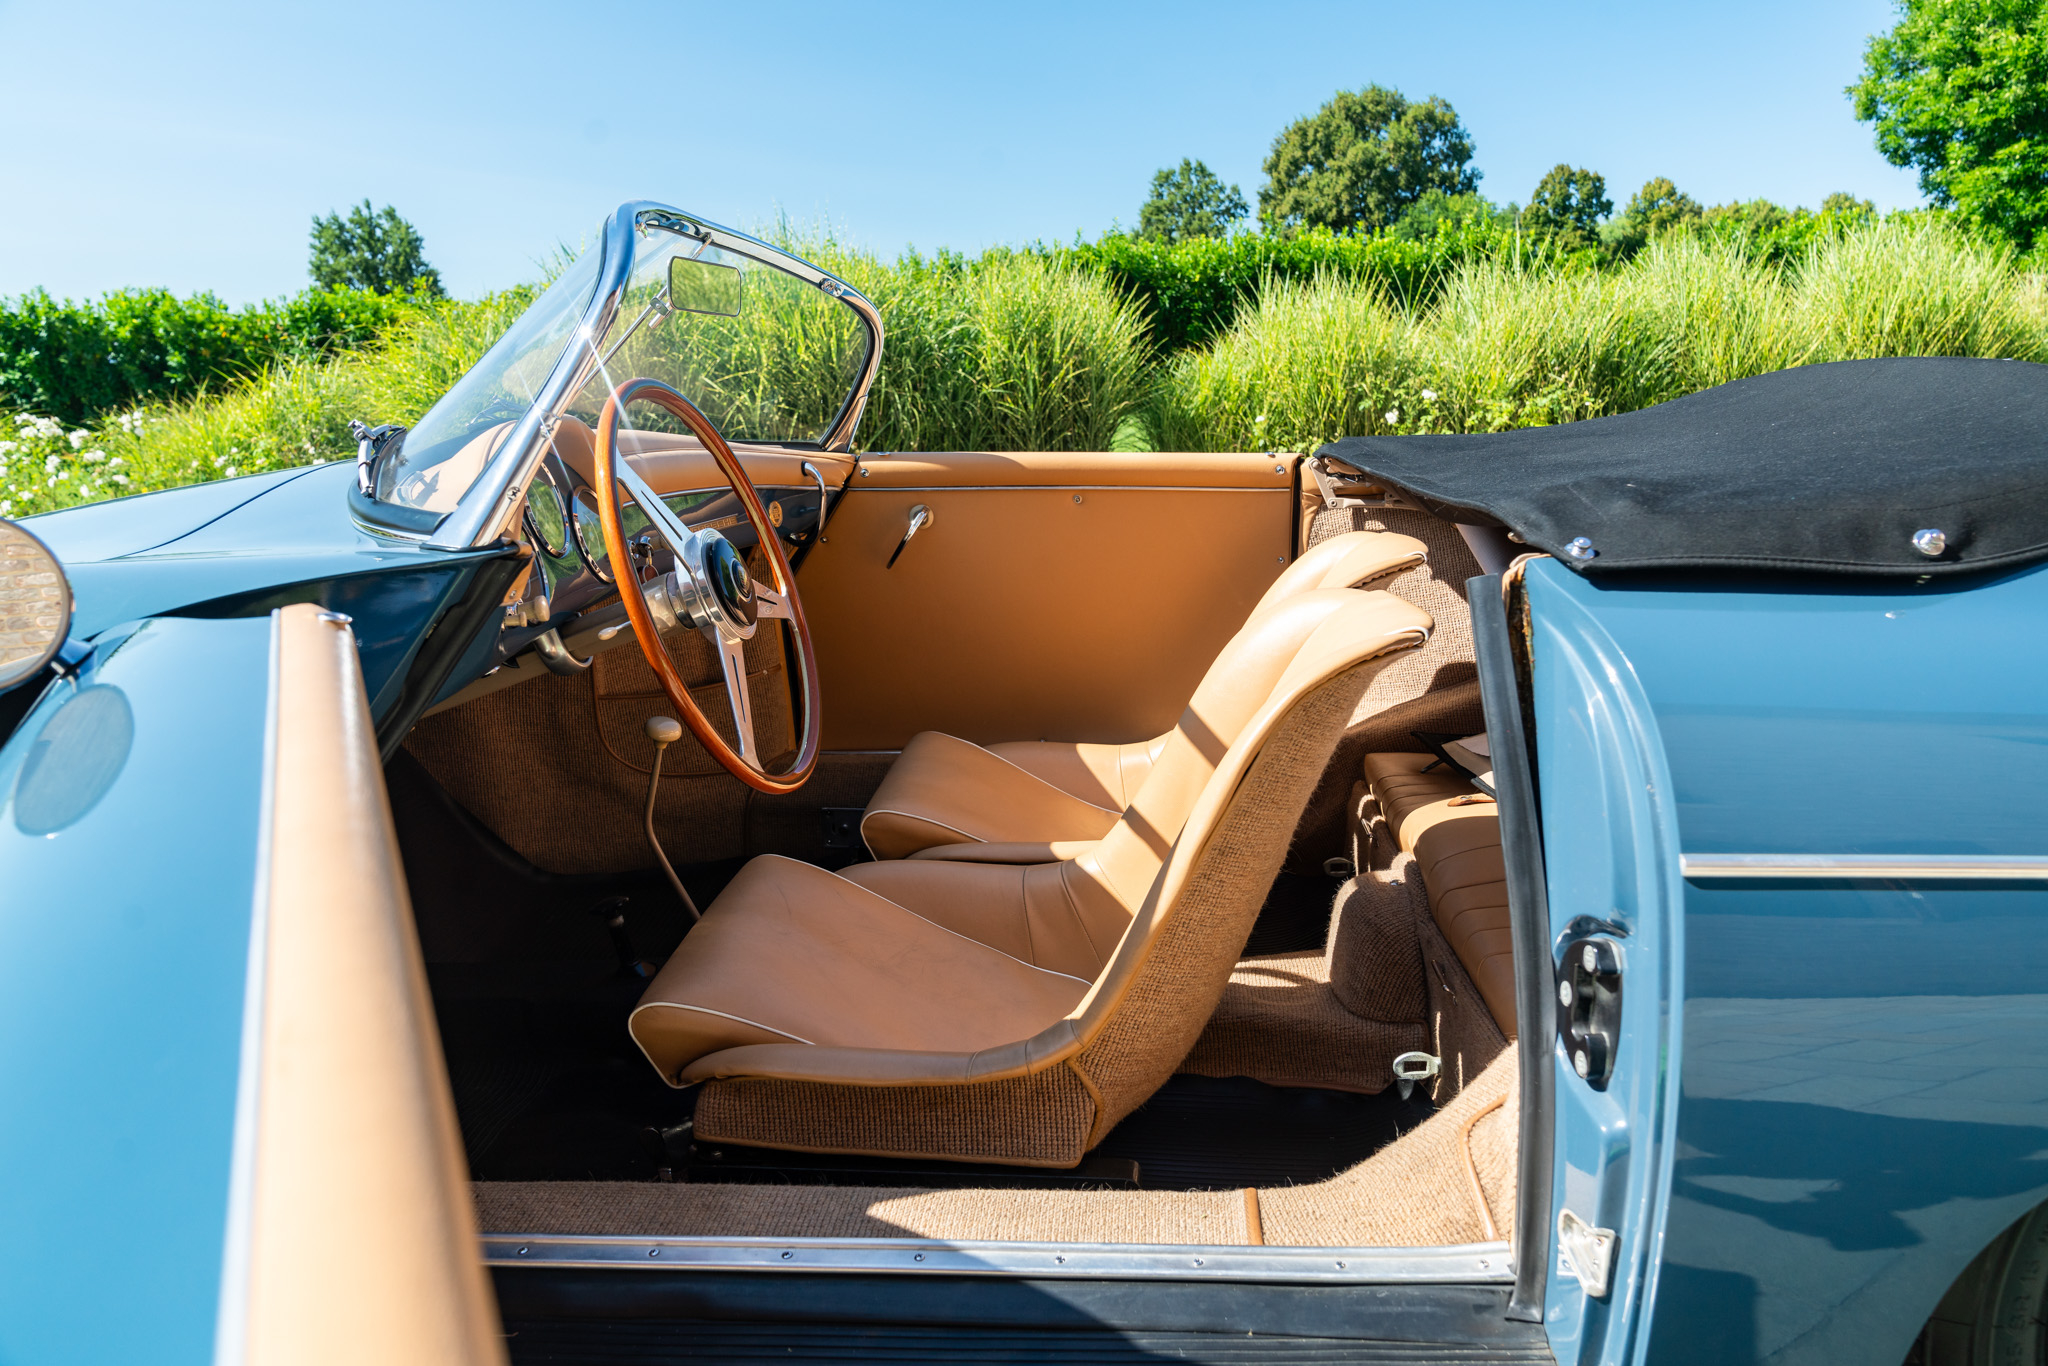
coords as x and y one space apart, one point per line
221 549
129 526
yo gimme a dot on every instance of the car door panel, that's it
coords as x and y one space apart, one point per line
1073 596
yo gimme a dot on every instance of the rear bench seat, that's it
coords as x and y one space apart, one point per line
1453 832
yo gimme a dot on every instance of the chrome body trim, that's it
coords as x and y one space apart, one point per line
486 508
231 1313
1919 867
1470 1264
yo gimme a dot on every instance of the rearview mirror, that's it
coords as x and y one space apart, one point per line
703 287
35 605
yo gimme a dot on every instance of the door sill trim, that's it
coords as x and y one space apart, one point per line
1466 1264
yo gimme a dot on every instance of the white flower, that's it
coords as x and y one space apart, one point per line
1393 415
228 470
117 461
78 438
1429 395
1259 419
7 447
94 457
46 426
121 479
50 464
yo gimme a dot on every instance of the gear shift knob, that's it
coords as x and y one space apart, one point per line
664 731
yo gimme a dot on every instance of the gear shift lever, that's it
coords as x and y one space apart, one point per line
664 731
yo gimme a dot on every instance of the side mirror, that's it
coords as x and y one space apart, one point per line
704 287
35 605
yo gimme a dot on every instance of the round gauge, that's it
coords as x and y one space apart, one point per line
589 527
545 521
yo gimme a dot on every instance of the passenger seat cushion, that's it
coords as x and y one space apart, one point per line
1454 833
792 954
943 790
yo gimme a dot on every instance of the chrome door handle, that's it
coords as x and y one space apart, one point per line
920 518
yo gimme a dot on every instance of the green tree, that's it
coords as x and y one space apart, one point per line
1191 201
1568 205
1659 207
1847 206
1362 159
1958 89
1754 218
1437 214
375 251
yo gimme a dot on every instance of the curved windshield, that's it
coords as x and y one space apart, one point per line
445 450
767 355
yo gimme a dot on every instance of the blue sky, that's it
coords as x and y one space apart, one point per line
188 146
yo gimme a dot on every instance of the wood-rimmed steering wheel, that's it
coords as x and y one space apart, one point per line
710 589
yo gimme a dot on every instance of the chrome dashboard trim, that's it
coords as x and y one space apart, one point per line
1070 488
1918 867
1471 1264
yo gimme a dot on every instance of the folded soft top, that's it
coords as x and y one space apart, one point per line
1908 466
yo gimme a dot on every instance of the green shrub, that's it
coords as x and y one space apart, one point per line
76 361
293 413
1192 290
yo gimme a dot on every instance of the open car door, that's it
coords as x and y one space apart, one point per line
203 892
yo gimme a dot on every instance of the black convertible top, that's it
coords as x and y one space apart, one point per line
1835 468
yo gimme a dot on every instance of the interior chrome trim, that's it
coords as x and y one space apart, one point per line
1470 1264
1920 867
1067 488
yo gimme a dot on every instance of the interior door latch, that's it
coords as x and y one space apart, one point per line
1589 1007
920 518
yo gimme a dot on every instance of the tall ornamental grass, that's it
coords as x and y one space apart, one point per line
1327 355
1012 353
1508 344
1032 351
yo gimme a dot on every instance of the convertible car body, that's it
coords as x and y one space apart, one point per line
614 874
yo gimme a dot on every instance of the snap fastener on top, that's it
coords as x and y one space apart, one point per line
1579 548
1930 542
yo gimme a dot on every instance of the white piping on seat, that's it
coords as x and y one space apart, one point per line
866 816
707 1010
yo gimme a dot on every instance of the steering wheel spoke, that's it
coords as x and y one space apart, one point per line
732 659
769 604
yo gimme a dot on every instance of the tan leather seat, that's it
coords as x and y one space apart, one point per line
992 1012
1453 830
1035 801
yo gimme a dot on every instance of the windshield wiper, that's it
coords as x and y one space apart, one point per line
371 443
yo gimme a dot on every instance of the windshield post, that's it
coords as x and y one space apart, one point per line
491 501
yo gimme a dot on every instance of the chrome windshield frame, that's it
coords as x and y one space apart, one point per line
489 505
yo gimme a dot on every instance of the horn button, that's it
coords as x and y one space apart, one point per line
730 580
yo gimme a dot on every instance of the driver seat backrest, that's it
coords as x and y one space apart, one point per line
1038 801
969 1079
